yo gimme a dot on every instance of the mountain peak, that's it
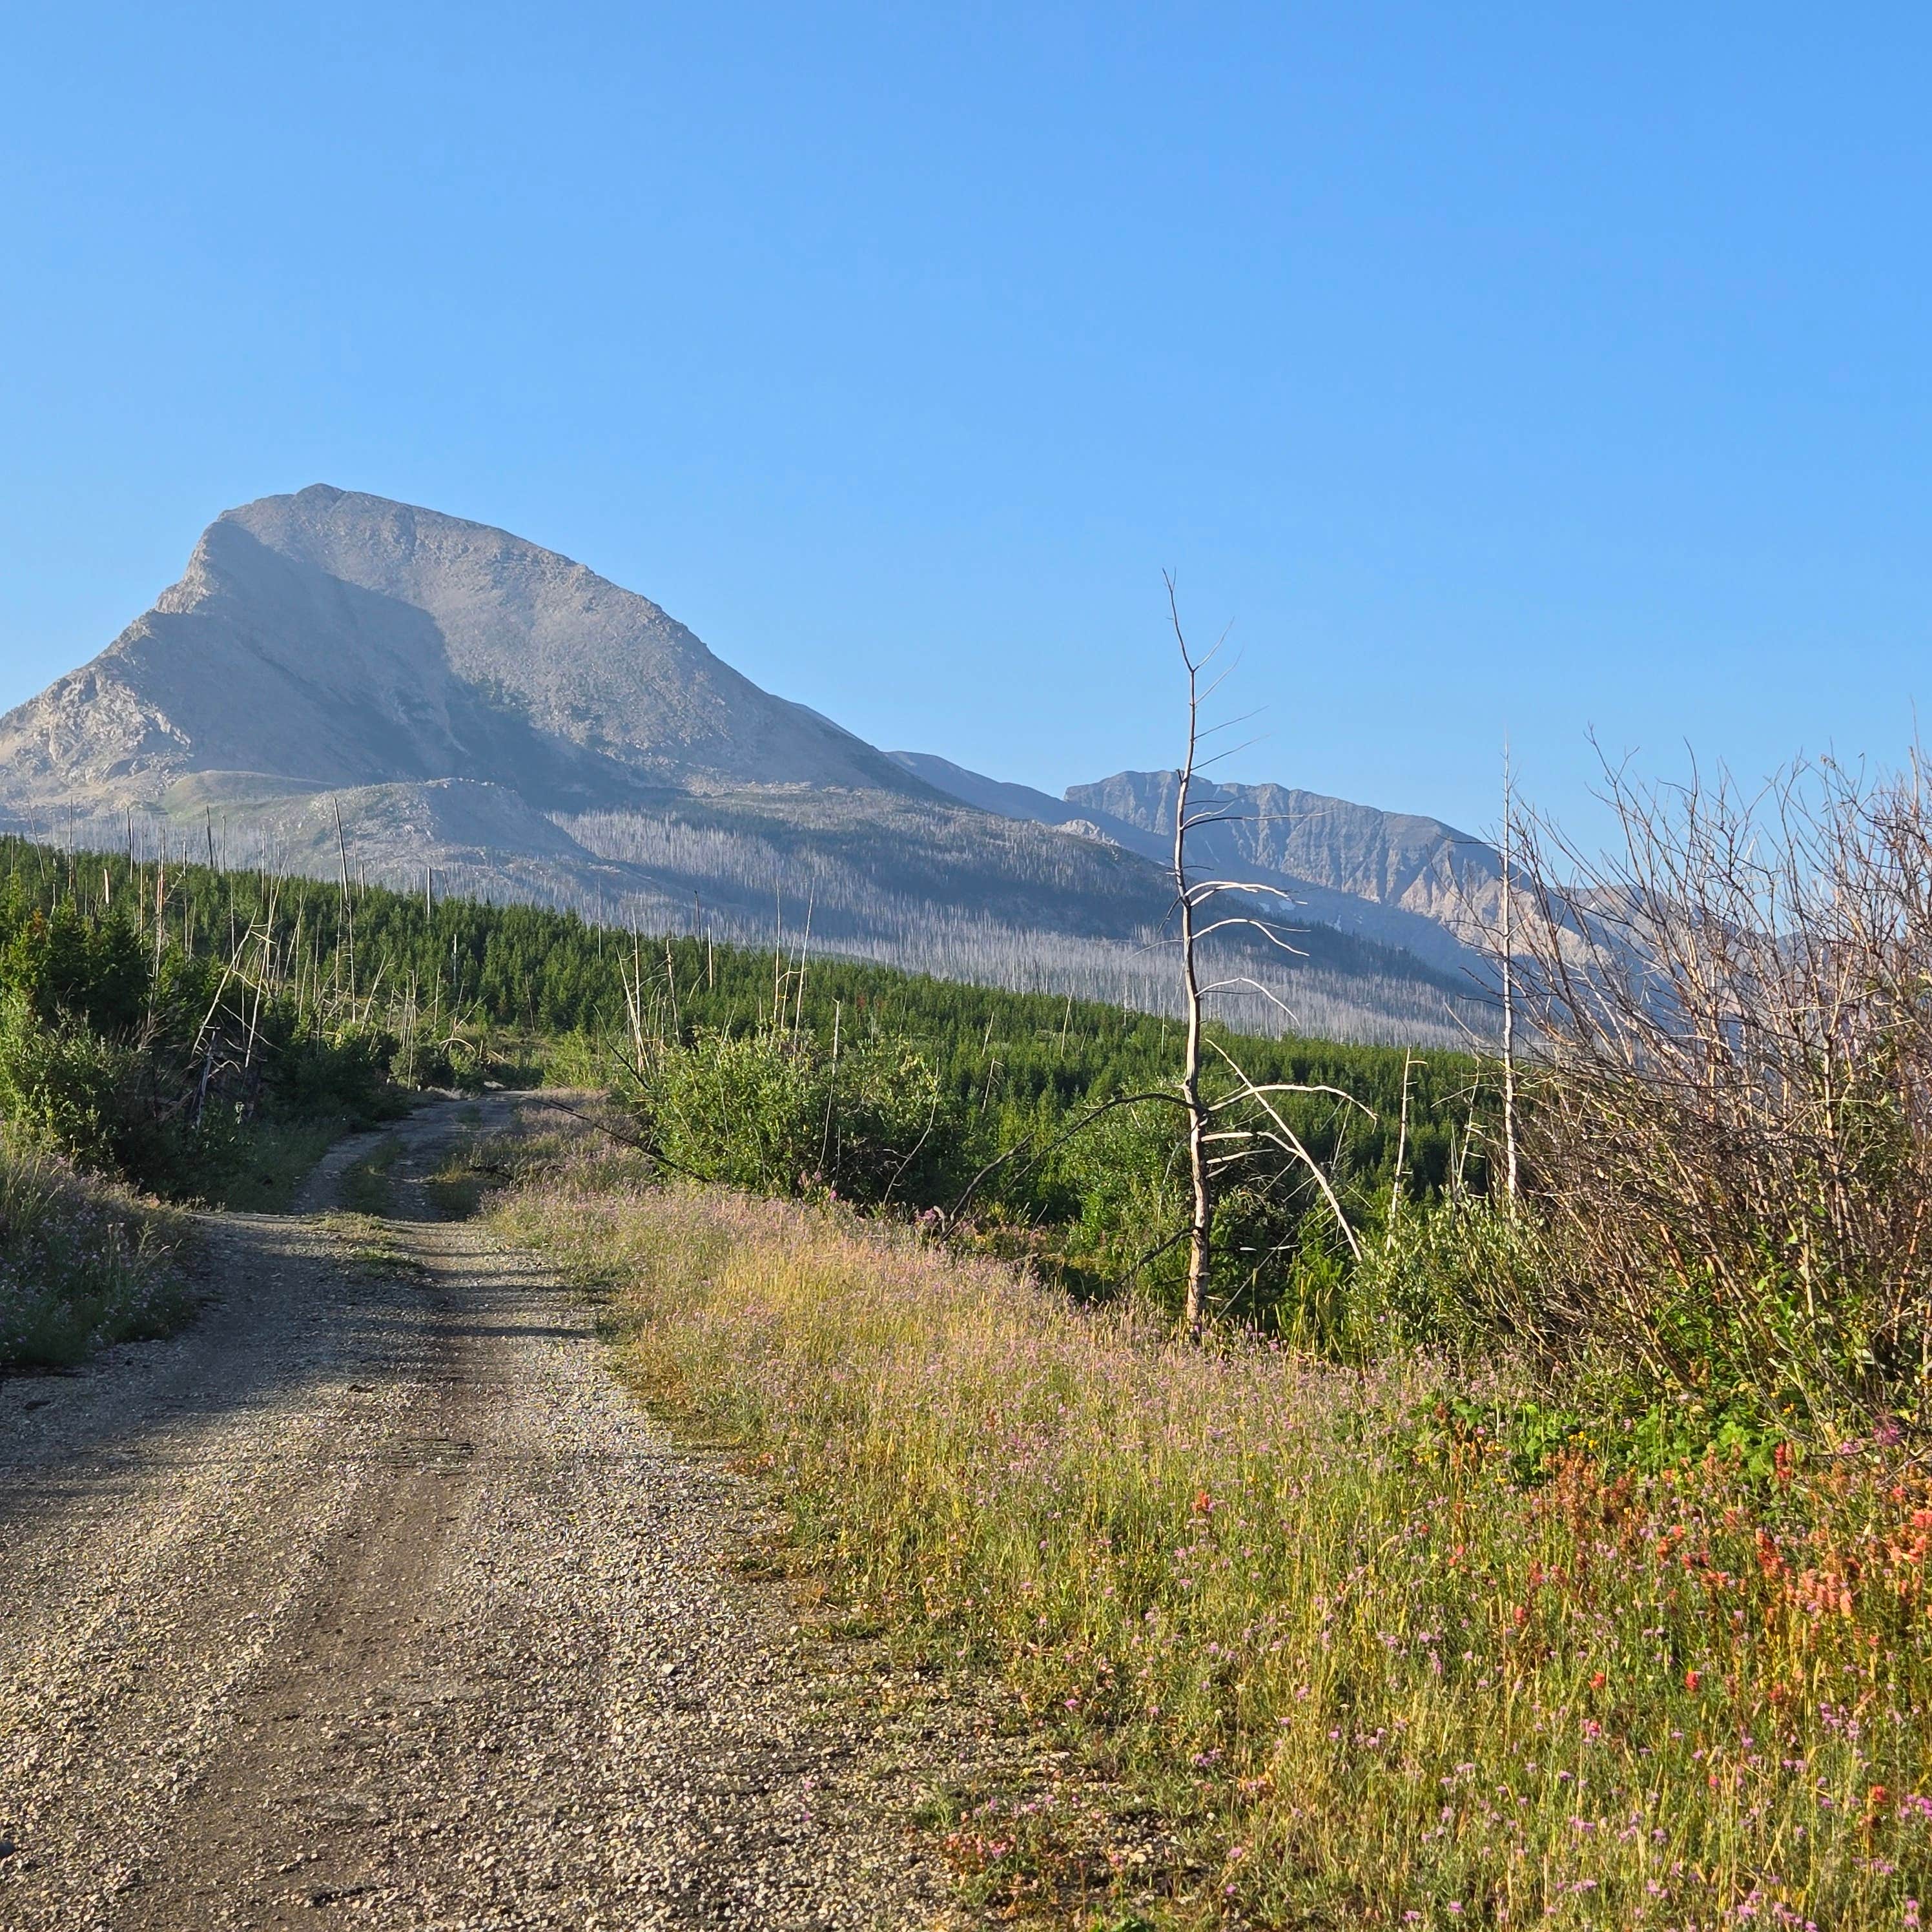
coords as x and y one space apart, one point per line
333 637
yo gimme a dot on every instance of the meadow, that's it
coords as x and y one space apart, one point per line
1539 1535
1554 1553
1327 1650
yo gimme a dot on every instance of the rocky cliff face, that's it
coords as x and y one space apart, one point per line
1398 859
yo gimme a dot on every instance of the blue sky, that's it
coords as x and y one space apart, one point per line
1489 368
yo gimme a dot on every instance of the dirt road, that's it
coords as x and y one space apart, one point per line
372 1598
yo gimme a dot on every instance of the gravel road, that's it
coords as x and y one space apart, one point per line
372 1598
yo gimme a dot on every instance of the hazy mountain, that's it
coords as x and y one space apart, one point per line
451 696
1395 877
1401 863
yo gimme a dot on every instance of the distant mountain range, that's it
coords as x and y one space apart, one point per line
1402 880
458 700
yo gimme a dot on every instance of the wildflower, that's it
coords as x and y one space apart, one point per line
1692 1678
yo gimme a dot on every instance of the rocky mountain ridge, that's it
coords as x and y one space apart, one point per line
330 638
1398 878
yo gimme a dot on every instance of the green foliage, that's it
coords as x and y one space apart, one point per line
64 1087
267 1164
781 1113
164 1054
469 992
169 1022
1463 1273
1373 1648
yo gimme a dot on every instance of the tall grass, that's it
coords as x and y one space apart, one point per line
82 1263
1316 1620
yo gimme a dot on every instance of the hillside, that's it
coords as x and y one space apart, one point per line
328 638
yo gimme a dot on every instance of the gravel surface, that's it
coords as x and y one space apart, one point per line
373 1596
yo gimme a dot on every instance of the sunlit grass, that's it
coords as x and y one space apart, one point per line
1367 1676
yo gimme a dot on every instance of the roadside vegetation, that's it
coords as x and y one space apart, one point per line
1332 1646
83 1261
137 1067
202 1035
1558 1557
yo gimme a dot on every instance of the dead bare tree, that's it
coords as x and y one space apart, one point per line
1216 1141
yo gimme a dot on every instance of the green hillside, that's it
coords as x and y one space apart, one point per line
221 1002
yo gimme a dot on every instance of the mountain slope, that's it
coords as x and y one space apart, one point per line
1400 862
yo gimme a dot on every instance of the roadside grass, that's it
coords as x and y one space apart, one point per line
1318 1654
83 1264
479 1163
366 1192
457 1186
371 1248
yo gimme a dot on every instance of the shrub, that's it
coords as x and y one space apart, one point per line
1727 1135
65 1086
1466 1274
779 1114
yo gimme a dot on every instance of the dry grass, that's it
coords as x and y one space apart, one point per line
1355 1673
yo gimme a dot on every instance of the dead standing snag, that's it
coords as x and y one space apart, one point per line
1191 897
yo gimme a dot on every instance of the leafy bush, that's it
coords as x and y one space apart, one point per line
64 1087
1465 1273
1278 1264
341 1073
163 1064
779 1114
